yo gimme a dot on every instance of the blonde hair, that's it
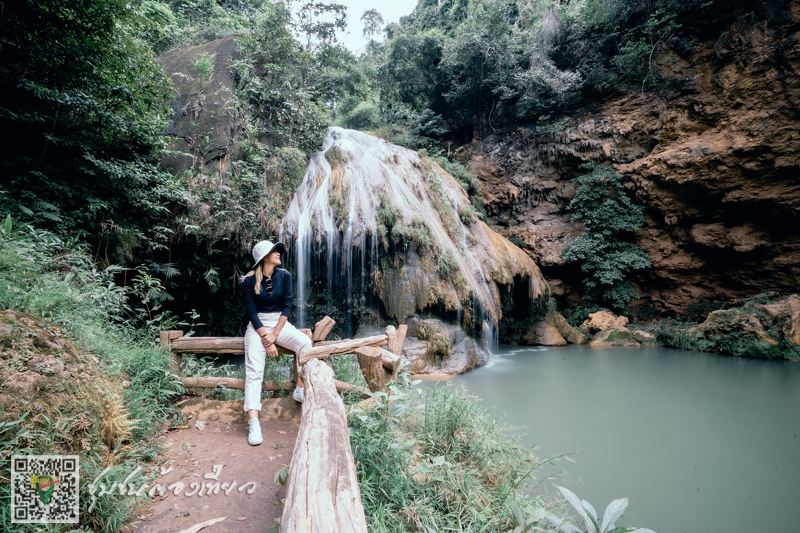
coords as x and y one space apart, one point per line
258 272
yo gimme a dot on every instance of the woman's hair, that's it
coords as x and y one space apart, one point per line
259 274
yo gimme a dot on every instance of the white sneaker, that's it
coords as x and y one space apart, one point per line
298 394
254 437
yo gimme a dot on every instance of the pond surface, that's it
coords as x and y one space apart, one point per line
698 443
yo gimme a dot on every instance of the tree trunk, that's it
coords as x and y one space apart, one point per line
378 366
396 338
322 494
369 359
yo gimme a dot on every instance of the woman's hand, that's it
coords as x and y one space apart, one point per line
268 339
272 350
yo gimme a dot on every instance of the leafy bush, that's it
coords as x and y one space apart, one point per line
606 248
365 116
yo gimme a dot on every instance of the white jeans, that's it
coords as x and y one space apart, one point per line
255 355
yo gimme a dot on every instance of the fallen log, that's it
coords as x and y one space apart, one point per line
268 385
322 329
338 348
322 491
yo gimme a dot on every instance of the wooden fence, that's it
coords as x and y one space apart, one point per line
322 489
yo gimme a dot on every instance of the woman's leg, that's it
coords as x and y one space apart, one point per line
254 358
291 338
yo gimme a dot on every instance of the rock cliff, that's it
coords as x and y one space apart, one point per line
715 161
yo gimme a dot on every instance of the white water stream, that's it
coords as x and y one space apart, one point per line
333 221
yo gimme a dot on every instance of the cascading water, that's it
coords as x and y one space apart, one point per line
380 228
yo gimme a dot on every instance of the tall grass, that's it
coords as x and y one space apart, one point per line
44 276
437 461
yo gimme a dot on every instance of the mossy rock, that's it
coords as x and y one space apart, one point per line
622 338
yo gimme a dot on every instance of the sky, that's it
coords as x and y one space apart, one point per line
391 11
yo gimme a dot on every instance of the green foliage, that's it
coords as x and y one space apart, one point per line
365 116
85 101
446 264
46 277
435 461
592 522
273 83
606 247
204 68
417 231
388 215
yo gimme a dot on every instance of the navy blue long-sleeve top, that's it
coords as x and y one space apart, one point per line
279 301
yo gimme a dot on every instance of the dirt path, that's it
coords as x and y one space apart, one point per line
255 502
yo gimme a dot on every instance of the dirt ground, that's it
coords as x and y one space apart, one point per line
219 453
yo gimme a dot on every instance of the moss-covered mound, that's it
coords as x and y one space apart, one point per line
763 327
66 403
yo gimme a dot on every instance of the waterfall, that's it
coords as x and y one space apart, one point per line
337 230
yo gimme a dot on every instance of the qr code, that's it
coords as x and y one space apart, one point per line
44 489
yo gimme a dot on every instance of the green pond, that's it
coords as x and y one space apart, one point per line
697 442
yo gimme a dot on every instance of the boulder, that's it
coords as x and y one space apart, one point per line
603 320
571 334
787 311
543 333
622 338
436 347
202 128
734 331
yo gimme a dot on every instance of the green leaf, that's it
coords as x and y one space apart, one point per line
7 225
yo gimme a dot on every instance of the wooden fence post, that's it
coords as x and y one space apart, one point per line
165 339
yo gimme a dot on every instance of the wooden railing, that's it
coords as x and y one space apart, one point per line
322 488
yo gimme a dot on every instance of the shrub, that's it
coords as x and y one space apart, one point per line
606 247
365 116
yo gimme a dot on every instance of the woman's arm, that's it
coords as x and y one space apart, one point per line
248 288
270 338
286 309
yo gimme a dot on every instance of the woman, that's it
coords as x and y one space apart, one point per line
268 299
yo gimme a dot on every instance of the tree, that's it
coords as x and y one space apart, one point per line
83 106
606 247
373 23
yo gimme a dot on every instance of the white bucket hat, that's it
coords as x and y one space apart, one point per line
264 248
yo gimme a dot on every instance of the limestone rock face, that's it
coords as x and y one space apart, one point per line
436 347
715 164
603 320
202 127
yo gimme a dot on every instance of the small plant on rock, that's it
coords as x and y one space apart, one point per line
591 521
